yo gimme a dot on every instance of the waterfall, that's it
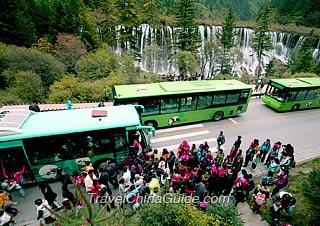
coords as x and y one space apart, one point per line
156 45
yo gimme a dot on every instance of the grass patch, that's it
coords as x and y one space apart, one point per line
303 213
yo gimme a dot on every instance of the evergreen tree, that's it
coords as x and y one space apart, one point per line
262 40
108 22
129 21
45 22
270 68
88 32
187 35
16 22
150 12
302 60
227 40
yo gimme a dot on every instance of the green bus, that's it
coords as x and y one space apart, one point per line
43 141
292 94
174 103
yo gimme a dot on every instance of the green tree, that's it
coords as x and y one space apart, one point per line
150 12
98 65
262 39
68 87
16 22
43 45
270 68
27 59
227 40
27 85
185 62
129 20
45 19
67 15
89 214
108 20
187 34
88 31
68 50
302 60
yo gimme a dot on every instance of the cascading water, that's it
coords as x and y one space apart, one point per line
157 45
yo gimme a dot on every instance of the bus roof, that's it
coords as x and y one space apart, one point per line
71 121
298 82
168 88
314 81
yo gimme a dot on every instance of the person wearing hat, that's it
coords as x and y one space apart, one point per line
281 181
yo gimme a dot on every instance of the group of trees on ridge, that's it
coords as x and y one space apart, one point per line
66 46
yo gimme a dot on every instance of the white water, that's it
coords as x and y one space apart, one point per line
156 48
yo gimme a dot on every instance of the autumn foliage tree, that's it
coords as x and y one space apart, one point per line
68 50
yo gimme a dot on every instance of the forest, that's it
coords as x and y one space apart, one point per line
51 51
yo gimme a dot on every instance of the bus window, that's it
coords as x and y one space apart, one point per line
151 106
58 148
243 97
311 94
169 105
219 99
301 95
188 103
292 96
232 98
204 101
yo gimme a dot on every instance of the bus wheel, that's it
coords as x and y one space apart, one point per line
152 123
218 116
295 107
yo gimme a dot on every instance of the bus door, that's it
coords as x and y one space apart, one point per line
145 133
13 159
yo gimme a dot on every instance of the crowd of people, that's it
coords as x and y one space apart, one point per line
201 171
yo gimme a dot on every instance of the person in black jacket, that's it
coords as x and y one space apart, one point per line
49 195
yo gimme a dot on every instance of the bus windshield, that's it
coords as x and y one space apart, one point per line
276 93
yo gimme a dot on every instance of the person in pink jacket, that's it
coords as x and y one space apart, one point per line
184 146
16 177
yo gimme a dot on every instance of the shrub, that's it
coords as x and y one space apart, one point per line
225 213
311 191
164 214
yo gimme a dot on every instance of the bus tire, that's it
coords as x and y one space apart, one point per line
218 116
152 123
295 107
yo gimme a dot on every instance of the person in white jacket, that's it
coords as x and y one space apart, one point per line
43 212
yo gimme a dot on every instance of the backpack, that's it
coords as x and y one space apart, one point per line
293 163
260 198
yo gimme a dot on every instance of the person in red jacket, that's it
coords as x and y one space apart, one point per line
17 178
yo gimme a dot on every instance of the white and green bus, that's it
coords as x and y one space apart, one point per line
43 141
292 94
175 103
